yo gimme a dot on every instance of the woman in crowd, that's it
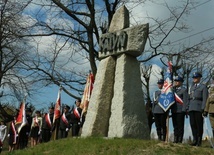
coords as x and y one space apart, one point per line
36 127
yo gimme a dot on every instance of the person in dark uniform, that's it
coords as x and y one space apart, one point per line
197 101
178 110
47 125
76 118
25 131
12 135
159 114
65 121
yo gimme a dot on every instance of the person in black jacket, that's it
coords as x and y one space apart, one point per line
25 131
76 118
65 121
47 125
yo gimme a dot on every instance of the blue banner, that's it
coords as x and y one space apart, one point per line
167 98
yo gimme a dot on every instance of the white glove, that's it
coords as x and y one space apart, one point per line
39 132
66 129
8 135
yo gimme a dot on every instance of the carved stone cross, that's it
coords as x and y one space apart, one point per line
116 107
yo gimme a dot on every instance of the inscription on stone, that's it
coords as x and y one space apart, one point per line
113 42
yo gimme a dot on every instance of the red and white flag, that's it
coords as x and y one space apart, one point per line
21 120
87 92
57 107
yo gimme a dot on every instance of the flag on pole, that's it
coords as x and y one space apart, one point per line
167 98
87 92
57 107
21 120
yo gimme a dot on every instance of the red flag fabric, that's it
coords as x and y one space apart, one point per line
87 92
21 120
178 99
57 107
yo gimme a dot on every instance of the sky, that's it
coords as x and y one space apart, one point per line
200 21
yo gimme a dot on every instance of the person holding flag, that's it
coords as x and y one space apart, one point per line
159 114
65 121
12 135
197 101
22 126
178 109
75 118
47 125
57 114
165 98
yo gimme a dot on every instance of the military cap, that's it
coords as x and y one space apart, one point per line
196 75
160 81
178 78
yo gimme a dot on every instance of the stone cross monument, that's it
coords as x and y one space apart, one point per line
116 107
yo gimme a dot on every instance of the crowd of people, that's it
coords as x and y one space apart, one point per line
197 103
41 128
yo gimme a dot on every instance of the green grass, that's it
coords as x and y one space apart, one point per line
96 146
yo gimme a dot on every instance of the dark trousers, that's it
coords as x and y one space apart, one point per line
160 123
196 123
63 133
178 125
46 135
75 129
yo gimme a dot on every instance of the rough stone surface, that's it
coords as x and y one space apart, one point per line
121 17
116 107
136 41
97 118
128 116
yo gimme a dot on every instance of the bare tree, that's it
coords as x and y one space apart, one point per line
14 80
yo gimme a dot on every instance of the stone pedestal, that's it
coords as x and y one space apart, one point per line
128 116
98 113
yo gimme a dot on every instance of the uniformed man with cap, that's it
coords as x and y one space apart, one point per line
65 121
159 114
47 125
197 101
178 109
210 105
76 117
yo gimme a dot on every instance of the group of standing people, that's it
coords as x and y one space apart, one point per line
41 128
197 103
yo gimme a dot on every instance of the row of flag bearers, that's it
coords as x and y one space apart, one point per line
179 101
41 128
56 123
